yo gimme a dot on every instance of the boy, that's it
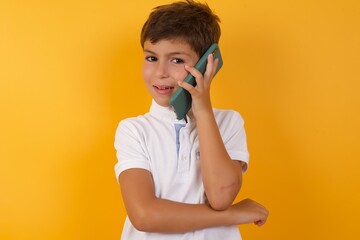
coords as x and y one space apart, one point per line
179 178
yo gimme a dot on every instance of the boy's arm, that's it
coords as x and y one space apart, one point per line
221 175
150 214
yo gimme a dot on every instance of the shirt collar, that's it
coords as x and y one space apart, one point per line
166 113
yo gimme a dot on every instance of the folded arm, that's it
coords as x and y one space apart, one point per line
151 214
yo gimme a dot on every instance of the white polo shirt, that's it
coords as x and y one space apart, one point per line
169 149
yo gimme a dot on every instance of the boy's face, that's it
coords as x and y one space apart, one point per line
163 67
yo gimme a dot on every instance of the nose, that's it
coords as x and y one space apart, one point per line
162 69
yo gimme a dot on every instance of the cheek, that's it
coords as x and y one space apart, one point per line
145 72
180 74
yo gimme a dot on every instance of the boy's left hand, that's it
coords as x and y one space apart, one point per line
201 92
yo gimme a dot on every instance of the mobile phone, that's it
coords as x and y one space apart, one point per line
181 99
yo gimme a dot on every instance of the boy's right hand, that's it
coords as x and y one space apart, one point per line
200 94
249 211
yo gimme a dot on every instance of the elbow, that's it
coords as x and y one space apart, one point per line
221 194
219 205
142 219
224 197
220 202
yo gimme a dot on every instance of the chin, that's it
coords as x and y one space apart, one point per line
163 102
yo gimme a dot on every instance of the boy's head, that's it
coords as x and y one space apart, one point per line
187 21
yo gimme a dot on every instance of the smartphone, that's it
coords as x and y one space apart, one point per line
181 99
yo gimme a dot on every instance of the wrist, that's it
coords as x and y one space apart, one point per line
228 217
204 113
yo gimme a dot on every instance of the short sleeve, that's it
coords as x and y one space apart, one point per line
130 151
234 137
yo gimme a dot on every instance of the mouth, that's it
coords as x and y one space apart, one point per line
163 89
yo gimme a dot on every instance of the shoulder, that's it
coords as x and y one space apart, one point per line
228 116
136 121
134 124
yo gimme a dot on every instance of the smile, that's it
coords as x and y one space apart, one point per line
164 87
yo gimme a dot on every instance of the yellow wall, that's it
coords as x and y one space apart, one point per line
70 70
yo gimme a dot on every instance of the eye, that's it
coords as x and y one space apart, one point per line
151 59
177 61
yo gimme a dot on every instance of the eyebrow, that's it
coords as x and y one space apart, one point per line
169 54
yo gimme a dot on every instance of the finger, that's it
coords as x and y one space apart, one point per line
262 220
196 73
259 223
187 86
211 67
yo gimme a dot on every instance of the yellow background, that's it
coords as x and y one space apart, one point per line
70 70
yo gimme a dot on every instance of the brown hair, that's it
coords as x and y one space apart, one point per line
190 21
